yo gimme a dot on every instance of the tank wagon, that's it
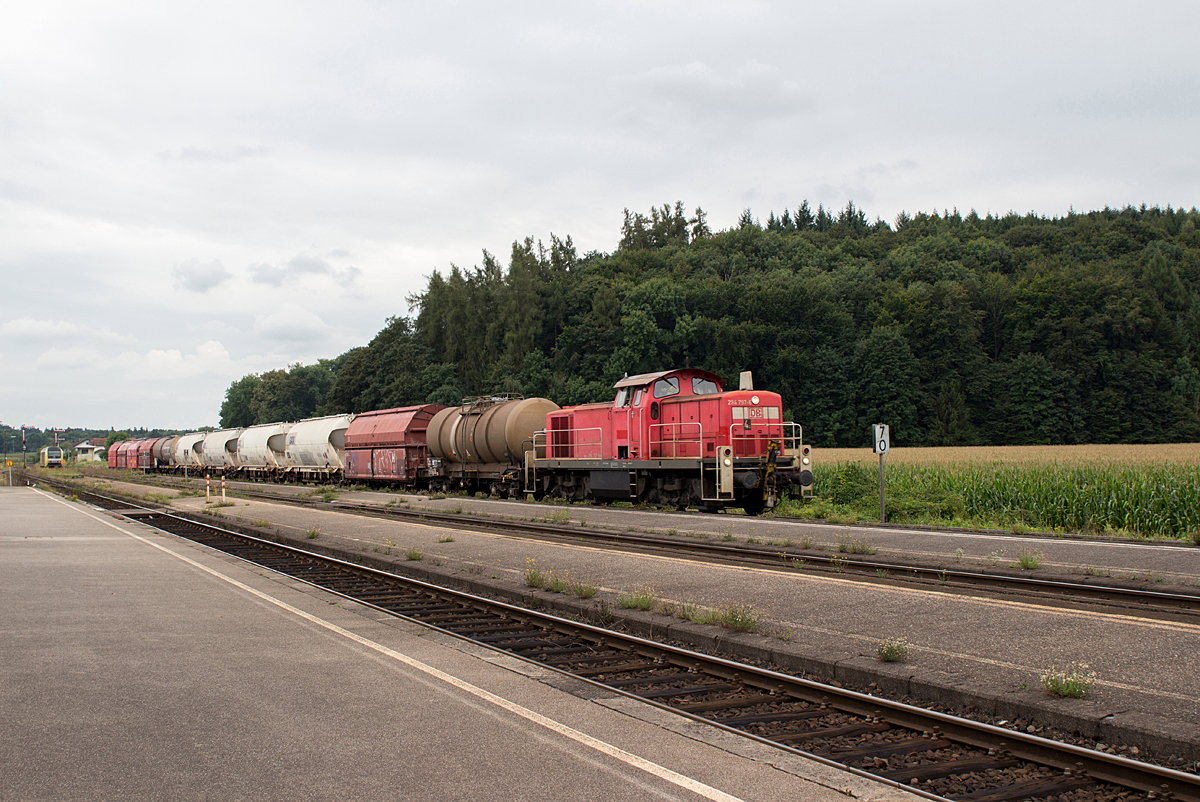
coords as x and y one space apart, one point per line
673 438
483 444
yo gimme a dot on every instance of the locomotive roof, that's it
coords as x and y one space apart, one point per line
646 378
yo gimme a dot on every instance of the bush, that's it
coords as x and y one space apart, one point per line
849 483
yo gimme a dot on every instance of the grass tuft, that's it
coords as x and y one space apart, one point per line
313 534
740 618
640 599
1029 560
893 650
855 546
414 554
1073 682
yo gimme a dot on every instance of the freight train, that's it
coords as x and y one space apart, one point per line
673 438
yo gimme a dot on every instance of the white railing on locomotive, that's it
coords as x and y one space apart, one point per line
676 440
793 438
575 443
789 434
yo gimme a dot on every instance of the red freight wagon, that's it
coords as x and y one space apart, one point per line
140 456
123 450
389 444
112 455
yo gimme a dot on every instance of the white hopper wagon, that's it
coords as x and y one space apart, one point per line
261 450
316 447
220 449
189 451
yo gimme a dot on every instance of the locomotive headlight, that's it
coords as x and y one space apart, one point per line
728 462
804 461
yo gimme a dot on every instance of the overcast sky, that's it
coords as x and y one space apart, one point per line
192 193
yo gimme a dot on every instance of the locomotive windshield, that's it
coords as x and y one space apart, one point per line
704 386
666 387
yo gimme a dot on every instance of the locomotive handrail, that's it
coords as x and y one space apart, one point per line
555 449
675 441
795 439
791 441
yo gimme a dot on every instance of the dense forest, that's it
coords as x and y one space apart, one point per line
1014 329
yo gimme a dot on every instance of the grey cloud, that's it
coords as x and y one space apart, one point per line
302 265
200 277
266 274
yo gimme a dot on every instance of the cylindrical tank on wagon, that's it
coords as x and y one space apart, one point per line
263 446
163 450
497 432
189 450
220 448
318 443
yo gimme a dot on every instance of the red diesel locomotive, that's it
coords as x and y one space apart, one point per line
674 438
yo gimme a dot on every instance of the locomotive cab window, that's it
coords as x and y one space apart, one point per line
637 397
704 386
622 398
666 387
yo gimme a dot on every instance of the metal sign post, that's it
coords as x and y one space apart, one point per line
882 439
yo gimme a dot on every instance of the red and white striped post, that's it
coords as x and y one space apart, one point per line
222 488
207 489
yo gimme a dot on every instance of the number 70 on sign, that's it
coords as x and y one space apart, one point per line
881 438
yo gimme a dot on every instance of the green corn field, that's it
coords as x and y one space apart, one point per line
1100 490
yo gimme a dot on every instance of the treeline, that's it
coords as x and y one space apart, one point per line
36 439
1013 329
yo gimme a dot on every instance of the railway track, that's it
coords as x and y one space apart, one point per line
1141 601
930 753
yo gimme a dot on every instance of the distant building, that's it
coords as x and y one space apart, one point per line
88 450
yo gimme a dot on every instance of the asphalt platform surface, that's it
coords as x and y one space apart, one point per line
985 655
138 666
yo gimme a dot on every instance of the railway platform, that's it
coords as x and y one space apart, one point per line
139 666
980 654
